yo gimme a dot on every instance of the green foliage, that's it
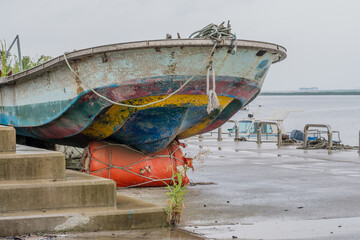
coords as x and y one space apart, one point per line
4 61
176 193
177 190
27 62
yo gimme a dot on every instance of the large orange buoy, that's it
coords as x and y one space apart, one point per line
131 168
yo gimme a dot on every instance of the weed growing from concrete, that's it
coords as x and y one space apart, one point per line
176 192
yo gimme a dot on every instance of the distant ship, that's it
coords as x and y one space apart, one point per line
309 89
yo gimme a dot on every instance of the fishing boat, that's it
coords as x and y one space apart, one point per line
143 94
248 127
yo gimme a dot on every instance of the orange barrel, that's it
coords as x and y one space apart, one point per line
131 168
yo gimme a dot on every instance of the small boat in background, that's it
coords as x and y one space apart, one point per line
248 126
142 94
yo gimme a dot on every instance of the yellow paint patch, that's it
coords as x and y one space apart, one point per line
116 116
200 126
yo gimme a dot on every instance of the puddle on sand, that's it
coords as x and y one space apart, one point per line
302 229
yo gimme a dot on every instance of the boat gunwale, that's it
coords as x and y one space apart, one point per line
276 49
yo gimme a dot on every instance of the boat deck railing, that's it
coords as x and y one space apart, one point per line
311 132
279 135
316 133
219 133
329 133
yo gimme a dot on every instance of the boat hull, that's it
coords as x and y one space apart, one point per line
56 106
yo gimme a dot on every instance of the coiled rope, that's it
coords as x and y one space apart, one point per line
322 143
212 31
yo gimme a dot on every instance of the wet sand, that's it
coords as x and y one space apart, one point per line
242 191
151 234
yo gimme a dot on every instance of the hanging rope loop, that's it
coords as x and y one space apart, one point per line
122 104
233 47
213 101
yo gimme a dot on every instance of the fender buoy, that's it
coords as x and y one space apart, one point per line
131 168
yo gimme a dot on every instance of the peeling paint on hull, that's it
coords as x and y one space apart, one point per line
63 112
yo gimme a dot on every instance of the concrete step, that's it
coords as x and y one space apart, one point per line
37 194
31 163
75 191
7 139
130 213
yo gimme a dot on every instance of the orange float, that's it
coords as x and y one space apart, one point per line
131 168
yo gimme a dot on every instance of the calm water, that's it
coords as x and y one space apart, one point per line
342 113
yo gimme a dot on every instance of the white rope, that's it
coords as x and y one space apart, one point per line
214 32
213 101
236 44
211 31
122 104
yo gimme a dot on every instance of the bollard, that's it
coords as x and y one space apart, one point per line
279 139
219 138
237 134
330 141
258 136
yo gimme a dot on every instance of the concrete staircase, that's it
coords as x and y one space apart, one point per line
37 194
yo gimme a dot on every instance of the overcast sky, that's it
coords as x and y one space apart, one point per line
322 36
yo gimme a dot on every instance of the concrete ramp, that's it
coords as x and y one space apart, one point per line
37 194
